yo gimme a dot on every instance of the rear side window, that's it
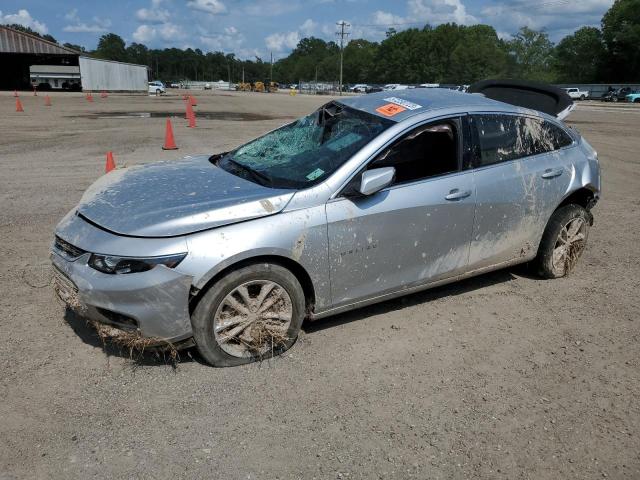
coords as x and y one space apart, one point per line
506 137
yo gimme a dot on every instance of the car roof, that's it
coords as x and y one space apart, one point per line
418 101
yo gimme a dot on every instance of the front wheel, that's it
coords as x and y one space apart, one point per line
563 242
582 97
250 314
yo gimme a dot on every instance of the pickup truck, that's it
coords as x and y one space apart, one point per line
577 94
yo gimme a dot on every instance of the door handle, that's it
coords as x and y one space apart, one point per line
456 194
552 173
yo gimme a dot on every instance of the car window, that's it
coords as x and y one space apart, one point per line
427 151
506 137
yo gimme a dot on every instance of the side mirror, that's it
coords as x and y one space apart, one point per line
374 180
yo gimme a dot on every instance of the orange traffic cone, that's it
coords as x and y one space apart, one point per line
15 93
191 116
111 164
188 110
47 101
19 106
192 101
89 97
169 142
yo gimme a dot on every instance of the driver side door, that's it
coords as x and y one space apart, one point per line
415 231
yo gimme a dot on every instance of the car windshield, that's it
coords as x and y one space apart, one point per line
306 151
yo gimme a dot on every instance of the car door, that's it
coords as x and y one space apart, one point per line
521 174
416 230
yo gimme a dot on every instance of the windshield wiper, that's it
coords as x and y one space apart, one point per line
260 177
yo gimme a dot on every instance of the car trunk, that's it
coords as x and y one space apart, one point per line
535 96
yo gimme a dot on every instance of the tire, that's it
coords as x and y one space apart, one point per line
158 92
582 97
615 99
215 307
557 236
637 100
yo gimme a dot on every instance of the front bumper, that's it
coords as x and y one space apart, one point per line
154 303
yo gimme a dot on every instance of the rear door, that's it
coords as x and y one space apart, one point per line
522 172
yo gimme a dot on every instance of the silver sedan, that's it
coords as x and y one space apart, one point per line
366 199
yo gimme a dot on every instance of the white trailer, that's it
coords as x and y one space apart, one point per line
98 75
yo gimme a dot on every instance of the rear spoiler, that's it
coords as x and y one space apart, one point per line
533 95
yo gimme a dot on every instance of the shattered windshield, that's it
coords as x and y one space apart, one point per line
306 151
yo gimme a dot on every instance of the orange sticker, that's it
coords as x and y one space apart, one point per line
390 109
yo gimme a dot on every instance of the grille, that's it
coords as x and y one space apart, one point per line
68 249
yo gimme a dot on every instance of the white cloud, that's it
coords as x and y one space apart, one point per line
559 20
98 25
436 12
214 7
153 15
308 28
167 32
282 41
24 18
72 15
144 34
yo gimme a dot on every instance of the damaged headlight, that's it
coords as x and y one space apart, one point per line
114 264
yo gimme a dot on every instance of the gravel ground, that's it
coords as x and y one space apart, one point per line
500 376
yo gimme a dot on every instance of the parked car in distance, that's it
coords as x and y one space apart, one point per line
374 89
633 97
616 95
207 86
359 88
365 199
577 94
156 88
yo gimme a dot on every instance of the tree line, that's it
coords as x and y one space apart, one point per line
448 53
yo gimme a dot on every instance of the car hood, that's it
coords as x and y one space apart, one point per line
173 198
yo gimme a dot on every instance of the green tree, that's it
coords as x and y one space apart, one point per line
73 46
621 33
479 55
531 56
111 47
138 53
578 58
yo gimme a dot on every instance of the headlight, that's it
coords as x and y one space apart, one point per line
114 264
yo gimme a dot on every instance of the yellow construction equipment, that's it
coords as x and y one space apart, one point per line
243 87
273 87
258 87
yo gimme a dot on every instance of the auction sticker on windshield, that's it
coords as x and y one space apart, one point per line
390 109
403 103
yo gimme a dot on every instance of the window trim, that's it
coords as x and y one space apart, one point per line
459 119
476 148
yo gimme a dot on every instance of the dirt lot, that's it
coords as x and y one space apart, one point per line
501 376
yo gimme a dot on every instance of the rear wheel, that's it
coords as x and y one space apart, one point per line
252 313
563 242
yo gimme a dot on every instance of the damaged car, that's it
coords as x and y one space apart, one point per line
365 199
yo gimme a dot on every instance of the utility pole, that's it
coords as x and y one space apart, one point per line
242 74
271 71
342 24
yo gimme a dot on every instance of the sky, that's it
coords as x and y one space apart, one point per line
252 28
